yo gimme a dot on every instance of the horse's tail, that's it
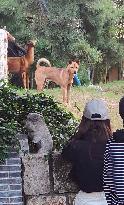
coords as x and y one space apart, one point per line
44 61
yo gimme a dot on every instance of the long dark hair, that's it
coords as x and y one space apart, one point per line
94 130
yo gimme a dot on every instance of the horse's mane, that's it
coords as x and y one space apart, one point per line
14 50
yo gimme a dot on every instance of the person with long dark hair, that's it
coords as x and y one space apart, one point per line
86 150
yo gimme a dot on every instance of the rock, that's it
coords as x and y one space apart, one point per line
47 200
39 136
35 175
24 146
61 170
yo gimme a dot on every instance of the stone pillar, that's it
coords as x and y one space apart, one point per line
40 139
36 163
46 176
3 55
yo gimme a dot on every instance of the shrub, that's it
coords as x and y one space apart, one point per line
15 108
83 75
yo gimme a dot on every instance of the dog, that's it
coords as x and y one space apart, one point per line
60 76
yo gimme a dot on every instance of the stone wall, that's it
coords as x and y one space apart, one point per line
45 176
46 181
36 176
11 181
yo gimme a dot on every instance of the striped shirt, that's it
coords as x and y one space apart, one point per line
113 175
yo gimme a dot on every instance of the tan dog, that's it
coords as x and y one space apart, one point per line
62 77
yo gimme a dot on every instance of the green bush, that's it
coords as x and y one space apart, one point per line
14 110
83 75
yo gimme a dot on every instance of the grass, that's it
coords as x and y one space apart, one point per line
110 93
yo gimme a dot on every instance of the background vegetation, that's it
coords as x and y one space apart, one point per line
88 29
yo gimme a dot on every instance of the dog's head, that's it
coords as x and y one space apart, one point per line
73 66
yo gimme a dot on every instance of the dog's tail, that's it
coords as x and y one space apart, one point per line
44 61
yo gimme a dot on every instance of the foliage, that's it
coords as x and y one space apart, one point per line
13 17
99 22
14 110
7 137
87 29
83 75
87 53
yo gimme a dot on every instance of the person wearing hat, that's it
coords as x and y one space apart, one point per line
113 175
85 151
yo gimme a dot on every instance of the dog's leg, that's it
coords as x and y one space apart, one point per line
68 93
40 85
64 93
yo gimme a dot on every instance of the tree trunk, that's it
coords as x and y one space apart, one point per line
122 70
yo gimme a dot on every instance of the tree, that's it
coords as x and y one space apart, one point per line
85 28
62 31
14 18
99 20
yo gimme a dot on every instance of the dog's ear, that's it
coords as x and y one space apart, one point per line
77 61
70 62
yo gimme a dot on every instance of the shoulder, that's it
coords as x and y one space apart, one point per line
73 148
118 136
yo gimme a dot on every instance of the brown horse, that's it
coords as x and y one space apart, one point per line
22 64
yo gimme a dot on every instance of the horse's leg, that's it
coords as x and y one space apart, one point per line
27 80
24 79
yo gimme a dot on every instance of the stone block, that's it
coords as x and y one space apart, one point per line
10 181
4 174
4 200
4 187
16 200
36 175
10 168
61 170
24 146
10 193
47 200
13 161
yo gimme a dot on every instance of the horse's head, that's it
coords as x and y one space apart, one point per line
10 37
31 43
